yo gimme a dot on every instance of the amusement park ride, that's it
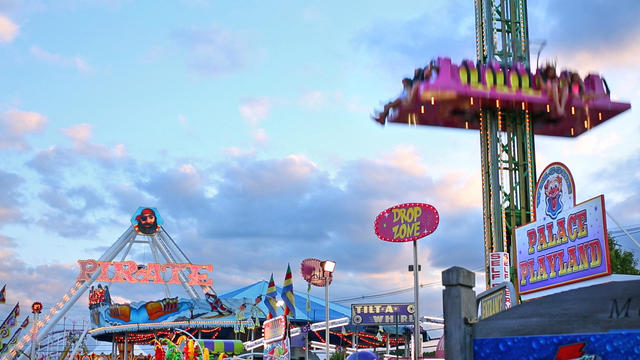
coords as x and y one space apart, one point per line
497 94
162 247
148 322
501 97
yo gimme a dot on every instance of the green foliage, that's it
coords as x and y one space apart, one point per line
622 262
339 355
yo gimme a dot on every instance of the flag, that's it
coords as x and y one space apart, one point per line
9 322
25 323
287 294
14 338
270 296
3 294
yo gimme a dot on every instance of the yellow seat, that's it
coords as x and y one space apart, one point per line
474 80
526 87
500 86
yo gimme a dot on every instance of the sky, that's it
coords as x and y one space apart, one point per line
247 125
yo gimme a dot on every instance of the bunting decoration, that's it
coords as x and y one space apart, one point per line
9 322
287 294
255 312
25 323
3 294
14 338
271 299
11 342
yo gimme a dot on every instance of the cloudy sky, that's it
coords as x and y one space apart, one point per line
247 124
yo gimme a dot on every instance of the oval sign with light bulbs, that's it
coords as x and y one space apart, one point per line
406 222
312 272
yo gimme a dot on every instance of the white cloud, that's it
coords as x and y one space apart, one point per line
255 110
215 50
76 62
10 204
406 158
15 124
187 169
313 99
320 100
236 152
260 136
79 133
8 215
20 122
8 30
120 150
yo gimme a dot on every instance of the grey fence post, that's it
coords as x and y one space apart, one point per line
459 309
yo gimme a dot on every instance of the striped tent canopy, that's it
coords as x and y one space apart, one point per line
215 346
316 312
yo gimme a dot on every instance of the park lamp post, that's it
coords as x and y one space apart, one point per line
327 269
36 309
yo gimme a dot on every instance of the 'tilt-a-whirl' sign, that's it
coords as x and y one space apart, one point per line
565 243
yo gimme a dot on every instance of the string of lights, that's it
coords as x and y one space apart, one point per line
394 291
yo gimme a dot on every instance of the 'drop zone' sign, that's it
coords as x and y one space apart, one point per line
406 222
383 314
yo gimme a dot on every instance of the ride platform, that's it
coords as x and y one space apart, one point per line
455 97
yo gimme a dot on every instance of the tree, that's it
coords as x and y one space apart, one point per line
622 261
338 355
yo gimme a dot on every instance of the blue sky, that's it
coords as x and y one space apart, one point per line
247 125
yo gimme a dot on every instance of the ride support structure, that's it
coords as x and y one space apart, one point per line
500 96
161 245
506 135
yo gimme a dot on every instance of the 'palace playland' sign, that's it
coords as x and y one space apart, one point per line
565 243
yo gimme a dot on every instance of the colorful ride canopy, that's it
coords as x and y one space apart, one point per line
110 317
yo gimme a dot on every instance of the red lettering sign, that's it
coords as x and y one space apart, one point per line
130 272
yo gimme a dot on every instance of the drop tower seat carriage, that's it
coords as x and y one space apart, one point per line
456 93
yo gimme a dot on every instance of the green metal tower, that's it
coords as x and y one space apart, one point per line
501 97
506 136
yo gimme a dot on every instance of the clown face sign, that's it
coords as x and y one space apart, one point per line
566 242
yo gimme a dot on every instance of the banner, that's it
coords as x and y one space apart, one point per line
271 298
287 293
9 322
